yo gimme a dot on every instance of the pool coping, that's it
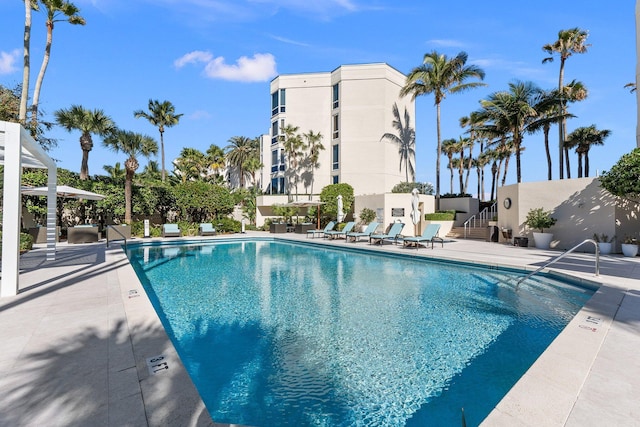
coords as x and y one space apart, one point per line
552 386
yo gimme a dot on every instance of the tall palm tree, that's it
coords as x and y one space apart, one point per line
315 146
449 148
440 76
572 92
569 42
405 140
87 122
293 148
582 139
238 152
57 11
26 69
133 145
513 113
162 115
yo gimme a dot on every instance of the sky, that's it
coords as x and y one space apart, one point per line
214 60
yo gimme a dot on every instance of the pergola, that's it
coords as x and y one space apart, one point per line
19 150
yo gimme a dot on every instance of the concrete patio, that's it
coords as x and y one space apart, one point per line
82 345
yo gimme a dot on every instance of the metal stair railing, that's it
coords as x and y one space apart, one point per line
559 257
117 231
482 217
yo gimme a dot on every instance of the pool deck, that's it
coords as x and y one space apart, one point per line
82 345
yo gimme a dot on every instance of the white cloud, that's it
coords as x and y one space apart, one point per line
199 114
8 61
261 67
446 43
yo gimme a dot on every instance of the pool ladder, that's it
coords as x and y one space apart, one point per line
559 257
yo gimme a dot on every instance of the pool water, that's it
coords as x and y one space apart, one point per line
289 334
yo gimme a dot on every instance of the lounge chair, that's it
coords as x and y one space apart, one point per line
428 235
392 234
356 235
334 234
171 230
322 232
206 229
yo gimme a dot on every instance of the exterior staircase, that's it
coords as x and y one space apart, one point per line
474 233
474 228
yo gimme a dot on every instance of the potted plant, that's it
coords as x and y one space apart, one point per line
539 219
630 246
604 243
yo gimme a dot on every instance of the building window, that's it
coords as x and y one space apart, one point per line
336 127
336 95
335 157
336 179
278 102
274 132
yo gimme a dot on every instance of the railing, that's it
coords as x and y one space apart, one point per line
482 217
559 257
117 231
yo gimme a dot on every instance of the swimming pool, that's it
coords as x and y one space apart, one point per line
276 333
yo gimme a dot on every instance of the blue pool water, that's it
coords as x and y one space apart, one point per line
288 334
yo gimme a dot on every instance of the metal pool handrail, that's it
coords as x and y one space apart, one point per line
559 257
117 231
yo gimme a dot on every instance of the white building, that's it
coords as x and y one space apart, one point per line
352 107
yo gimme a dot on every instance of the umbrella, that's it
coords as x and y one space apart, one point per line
63 191
415 211
340 208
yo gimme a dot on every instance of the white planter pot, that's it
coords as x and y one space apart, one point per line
605 248
629 249
542 240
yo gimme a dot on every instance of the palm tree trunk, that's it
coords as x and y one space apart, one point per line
25 70
504 174
84 166
562 122
579 165
127 197
586 164
566 158
494 178
438 154
162 154
547 151
43 69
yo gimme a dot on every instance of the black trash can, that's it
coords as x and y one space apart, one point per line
492 233
522 242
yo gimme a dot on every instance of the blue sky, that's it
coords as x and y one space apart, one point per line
214 59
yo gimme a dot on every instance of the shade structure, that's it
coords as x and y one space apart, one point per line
307 204
340 215
64 191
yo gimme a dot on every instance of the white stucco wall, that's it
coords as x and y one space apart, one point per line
581 207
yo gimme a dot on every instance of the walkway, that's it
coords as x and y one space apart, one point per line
82 345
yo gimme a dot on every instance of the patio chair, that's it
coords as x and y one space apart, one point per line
334 234
206 229
356 235
322 232
428 235
392 234
171 230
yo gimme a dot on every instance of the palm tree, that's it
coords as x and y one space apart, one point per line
54 8
87 122
133 145
26 70
162 115
293 148
238 152
513 113
314 145
582 139
216 159
569 42
572 92
151 171
440 75
116 173
405 140
449 148
191 165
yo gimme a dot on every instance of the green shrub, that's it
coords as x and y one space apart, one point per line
367 215
539 219
26 241
227 225
440 216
